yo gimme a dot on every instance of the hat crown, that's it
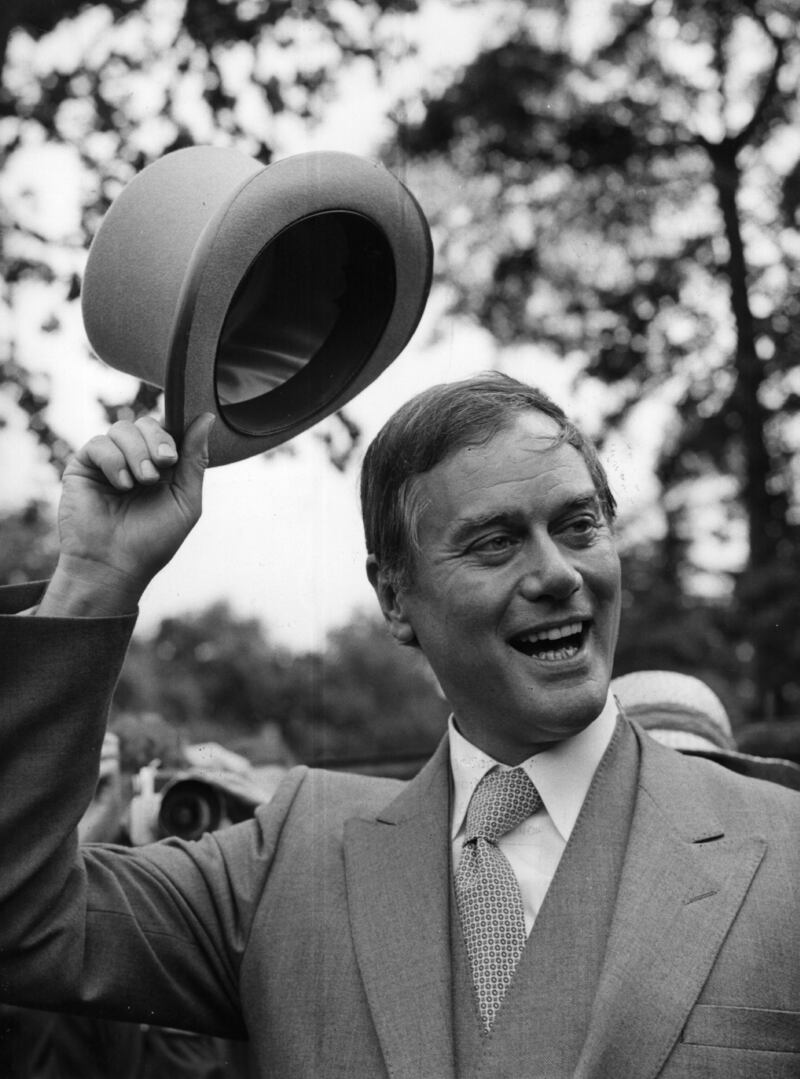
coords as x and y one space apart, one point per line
138 259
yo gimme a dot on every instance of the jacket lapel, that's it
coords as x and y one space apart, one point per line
398 869
682 884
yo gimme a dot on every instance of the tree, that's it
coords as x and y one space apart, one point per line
373 700
218 677
205 673
664 630
97 91
147 737
630 203
622 192
29 546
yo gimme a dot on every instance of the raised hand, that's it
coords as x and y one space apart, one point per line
129 500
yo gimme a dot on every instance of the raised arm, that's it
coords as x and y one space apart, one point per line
120 933
129 501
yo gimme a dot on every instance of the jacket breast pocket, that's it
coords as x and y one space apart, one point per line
743 1028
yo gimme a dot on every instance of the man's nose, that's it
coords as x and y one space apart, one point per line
550 574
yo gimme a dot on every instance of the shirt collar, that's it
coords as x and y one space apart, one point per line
562 774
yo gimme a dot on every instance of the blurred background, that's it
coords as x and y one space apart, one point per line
614 193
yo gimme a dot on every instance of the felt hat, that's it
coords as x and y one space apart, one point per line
684 713
269 295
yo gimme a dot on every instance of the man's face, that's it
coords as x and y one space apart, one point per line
516 589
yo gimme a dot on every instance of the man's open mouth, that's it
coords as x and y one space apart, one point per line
551 645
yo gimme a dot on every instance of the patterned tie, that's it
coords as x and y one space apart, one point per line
489 897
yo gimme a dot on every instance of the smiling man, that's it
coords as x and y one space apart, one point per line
554 895
513 588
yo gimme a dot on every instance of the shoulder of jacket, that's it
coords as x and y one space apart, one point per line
336 794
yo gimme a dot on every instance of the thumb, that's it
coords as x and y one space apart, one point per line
193 461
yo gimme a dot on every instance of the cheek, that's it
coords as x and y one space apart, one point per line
602 575
614 585
452 625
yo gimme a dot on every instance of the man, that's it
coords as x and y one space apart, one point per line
553 895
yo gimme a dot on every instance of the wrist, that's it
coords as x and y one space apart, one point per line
84 588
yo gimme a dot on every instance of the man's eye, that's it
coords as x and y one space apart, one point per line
583 526
493 544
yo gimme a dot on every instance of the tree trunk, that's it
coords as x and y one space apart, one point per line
765 509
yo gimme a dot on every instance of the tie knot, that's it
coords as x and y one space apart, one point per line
502 800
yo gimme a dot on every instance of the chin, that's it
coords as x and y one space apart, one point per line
572 712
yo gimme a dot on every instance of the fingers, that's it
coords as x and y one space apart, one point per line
110 754
187 480
139 453
130 453
194 449
161 449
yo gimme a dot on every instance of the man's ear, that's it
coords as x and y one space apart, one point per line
391 603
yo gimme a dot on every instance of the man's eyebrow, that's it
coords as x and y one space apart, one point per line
589 501
468 526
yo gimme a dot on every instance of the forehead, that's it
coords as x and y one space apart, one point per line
522 469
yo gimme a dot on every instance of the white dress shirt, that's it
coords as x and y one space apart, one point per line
562 775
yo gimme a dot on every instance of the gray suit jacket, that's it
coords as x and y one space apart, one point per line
320 928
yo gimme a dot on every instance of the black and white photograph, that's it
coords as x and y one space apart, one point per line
400 539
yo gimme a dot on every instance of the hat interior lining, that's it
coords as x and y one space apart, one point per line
304 321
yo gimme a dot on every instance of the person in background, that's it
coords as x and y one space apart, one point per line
47 1045
684 713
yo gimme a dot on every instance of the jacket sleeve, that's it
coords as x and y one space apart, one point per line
152 934
56 680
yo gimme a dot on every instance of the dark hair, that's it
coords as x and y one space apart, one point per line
431 426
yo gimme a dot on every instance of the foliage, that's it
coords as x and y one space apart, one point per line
627 197
29 546
212 668
215 676
661 629
94 92
147 737
373 699
622 190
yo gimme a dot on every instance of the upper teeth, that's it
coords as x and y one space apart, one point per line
554 634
